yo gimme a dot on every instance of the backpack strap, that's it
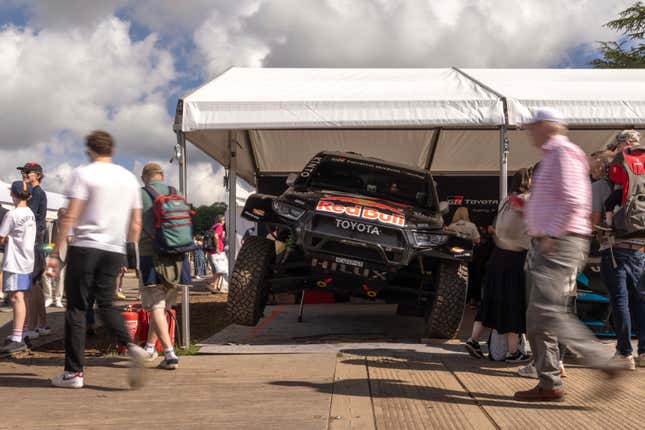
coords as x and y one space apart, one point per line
152 192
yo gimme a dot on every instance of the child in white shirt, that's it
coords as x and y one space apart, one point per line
18 233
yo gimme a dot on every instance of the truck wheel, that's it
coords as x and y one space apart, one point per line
247 291
446 311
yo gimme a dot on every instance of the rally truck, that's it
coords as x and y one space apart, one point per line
357 226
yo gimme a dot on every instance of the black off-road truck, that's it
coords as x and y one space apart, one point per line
357 226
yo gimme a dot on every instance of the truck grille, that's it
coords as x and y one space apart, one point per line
358 231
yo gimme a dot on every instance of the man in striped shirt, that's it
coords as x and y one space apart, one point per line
558 216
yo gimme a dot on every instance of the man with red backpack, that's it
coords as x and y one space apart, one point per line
166 237
623 260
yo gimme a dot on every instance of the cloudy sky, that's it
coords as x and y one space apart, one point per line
70 66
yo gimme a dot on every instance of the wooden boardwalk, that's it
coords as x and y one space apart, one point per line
398 386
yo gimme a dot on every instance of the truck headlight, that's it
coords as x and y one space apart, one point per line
288 211
424 238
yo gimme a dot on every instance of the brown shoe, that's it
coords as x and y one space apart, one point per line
539 394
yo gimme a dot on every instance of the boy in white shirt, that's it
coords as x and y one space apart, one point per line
18 233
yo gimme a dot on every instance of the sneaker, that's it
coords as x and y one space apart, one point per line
12 347
152 355
136 374
5 306
44 331
517 357
169 364
58 303
31 334
68 380
528 371
119 295
473 348
625 362
48 302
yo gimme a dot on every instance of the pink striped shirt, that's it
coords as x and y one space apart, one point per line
560 200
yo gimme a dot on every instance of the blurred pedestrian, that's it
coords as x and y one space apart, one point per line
623 258
199 258
217 256
503 307
104 211
18 234
558 214
36 322
160 272
58 282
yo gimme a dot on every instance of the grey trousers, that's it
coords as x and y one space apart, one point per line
549 277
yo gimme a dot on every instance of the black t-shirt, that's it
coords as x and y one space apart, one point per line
3 212
38 205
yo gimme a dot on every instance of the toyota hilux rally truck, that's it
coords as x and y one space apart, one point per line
356 226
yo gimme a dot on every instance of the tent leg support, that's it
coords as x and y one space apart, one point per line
302 305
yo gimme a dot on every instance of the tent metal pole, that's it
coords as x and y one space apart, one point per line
504 149
232 203
185 294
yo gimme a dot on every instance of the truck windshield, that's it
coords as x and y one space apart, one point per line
367 178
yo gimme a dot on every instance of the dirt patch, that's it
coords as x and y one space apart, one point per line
207 317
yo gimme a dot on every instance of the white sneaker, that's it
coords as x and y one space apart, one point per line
48 302
626 362
136 373
152 355
31 334
45 331
58 303
528 371
68 380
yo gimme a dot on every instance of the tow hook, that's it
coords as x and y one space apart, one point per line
323 283
370 293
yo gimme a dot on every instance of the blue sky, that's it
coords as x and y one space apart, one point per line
71 66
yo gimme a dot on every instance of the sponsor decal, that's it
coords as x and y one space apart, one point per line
357 211
455 200
349 266
462 201
310 167
258 212
360 227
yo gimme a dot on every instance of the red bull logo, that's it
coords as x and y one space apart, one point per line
357 211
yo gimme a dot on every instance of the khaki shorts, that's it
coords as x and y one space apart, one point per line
158 297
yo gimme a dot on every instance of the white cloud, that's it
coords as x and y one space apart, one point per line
403 33
59 84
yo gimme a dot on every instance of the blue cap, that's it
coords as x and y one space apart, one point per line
20 187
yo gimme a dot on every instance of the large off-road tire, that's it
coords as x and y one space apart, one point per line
247 289
447 309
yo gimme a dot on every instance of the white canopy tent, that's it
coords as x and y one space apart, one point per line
266 121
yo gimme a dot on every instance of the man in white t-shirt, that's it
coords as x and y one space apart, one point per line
18 235
104 212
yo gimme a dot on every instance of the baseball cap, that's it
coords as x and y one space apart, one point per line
31 167
20 187
150 169
546 114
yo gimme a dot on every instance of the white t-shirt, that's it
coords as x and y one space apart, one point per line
110 193
19 227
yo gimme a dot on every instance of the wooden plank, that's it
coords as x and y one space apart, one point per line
351 404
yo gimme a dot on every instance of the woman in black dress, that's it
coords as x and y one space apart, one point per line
503 307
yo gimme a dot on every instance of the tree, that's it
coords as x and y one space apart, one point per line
205 216
630 52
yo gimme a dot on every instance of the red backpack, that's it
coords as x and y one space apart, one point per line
628 171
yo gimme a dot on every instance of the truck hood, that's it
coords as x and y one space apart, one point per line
365 208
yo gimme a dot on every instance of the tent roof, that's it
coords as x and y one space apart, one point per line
586 97
442 119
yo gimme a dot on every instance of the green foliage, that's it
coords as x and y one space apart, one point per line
629 53
204 216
